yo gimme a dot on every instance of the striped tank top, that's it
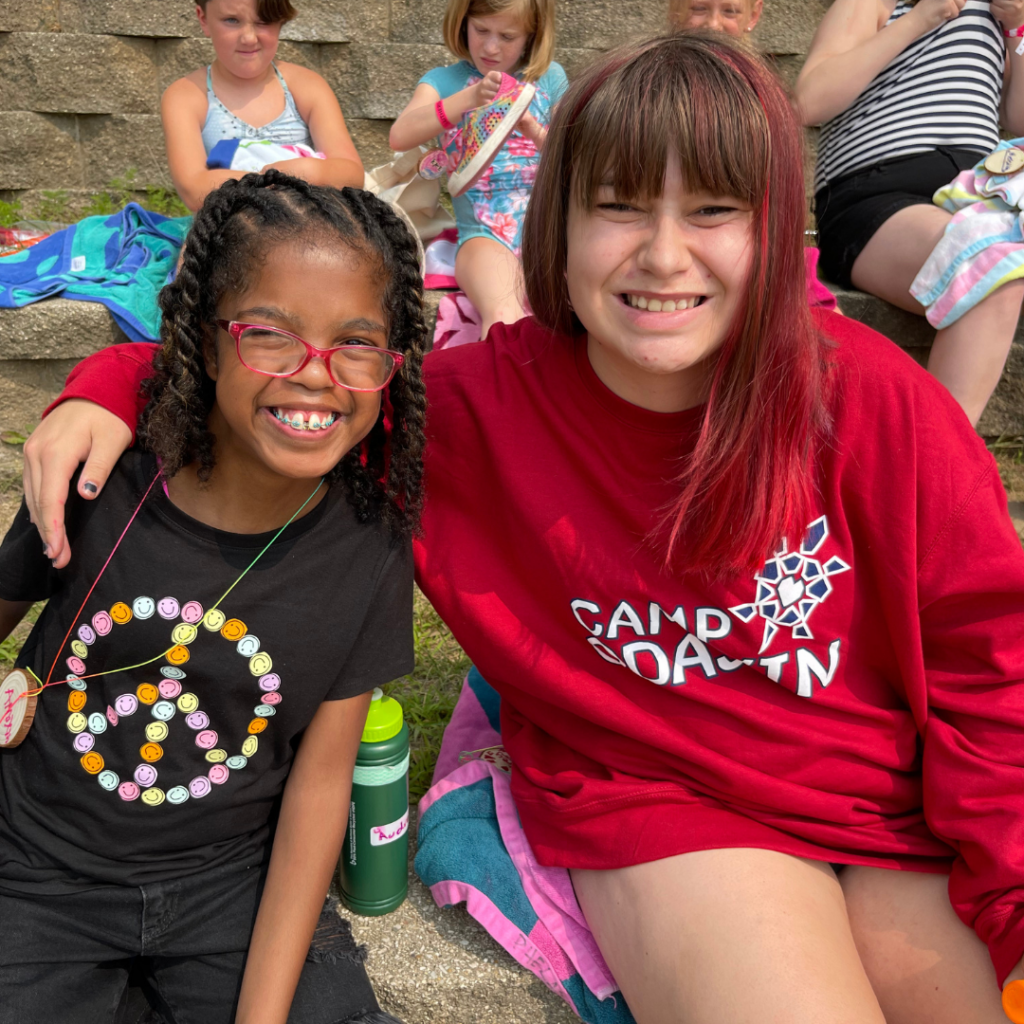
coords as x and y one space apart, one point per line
942 90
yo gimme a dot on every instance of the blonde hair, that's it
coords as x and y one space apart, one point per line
537 18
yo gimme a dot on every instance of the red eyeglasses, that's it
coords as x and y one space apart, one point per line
277 353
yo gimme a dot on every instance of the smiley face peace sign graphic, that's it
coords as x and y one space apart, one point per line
170 705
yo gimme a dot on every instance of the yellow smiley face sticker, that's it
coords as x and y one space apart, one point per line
184 633
187 703
151 752
147 693
177 655
233 630
152 796
216 755
214 619
257 725
92 762
250 746
260 664
121 613
76 700
77 647
156 732
77 722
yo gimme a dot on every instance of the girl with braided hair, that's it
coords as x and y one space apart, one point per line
190 810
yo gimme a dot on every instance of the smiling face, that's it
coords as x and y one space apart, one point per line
244 44
657 283
329 296
496 41
734 17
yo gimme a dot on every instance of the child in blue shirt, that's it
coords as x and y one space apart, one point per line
492 37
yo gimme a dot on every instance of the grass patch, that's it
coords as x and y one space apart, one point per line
124 190
12 645
429 693
10 213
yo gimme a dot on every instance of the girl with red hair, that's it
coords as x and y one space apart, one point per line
746 584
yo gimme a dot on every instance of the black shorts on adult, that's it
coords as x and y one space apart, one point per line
68 959
850 210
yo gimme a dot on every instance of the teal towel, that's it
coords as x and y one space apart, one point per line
122 261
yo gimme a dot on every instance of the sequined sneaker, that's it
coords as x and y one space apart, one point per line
484 131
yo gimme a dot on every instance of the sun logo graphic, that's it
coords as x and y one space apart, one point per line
791 585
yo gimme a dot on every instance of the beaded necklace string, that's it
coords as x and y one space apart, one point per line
141 664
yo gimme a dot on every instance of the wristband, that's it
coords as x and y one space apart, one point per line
442 116
1014 33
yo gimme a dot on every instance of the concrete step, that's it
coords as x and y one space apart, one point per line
40 343
438 966
1004 414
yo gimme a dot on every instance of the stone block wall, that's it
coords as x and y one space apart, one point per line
80 80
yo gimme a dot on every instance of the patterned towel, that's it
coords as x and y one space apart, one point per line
122 261
255 154
473 849
982 247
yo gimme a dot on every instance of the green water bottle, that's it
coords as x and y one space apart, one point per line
373 872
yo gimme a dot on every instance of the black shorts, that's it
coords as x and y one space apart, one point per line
850 210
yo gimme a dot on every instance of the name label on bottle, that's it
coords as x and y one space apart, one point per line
381 835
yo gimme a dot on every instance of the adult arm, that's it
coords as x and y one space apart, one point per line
1010 15
419 123
95 427
318 107
314 813
853 44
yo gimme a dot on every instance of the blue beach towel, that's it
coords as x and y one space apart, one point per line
472 849
122 261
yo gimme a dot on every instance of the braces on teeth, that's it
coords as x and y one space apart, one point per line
316 421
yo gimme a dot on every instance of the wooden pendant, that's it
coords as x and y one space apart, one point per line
1005 161
16 711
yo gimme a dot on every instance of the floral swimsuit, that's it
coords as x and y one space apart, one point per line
494 206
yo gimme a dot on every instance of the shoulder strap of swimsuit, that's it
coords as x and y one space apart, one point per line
280 78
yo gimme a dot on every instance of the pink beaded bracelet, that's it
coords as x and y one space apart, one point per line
442 116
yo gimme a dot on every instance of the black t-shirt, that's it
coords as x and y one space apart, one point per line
149 774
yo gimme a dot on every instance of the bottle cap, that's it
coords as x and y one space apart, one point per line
384 719
1013 1001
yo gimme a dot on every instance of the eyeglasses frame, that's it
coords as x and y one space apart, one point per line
236 327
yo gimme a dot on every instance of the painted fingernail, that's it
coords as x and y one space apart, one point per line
90 488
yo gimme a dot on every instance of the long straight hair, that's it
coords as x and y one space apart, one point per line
721 110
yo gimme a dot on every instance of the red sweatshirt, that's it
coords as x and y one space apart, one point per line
856 701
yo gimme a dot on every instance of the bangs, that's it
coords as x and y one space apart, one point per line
662 102
522 9
274 12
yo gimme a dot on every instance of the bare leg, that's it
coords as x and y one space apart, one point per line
925 964
492 278
744 936
968 356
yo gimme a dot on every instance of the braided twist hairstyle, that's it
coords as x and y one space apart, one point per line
237 225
